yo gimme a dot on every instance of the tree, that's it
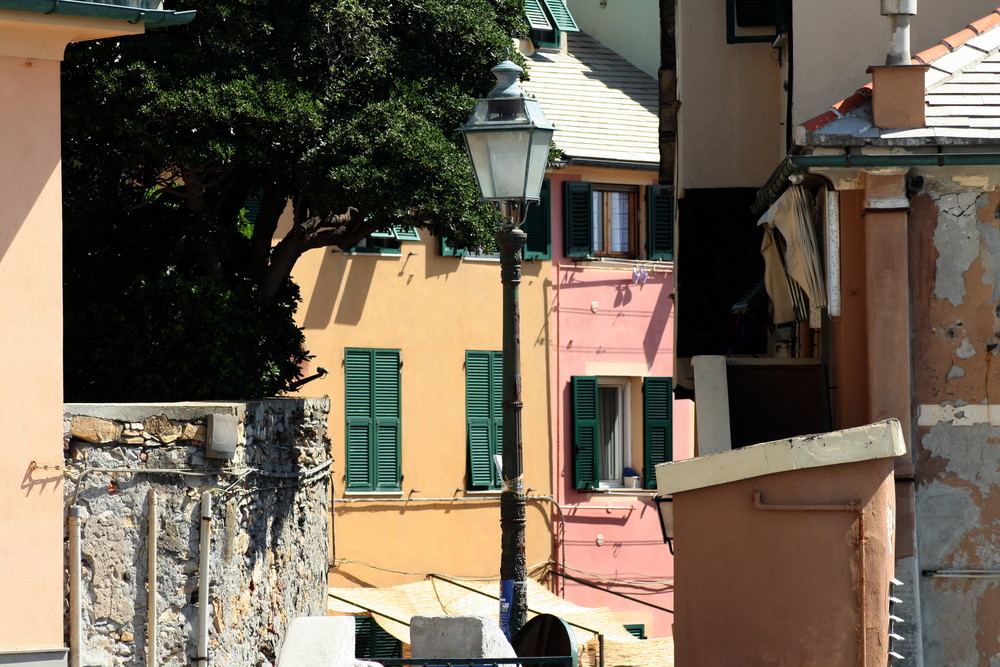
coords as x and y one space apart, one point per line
343 111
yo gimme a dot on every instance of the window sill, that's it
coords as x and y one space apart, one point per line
377 255
622 491
385 494
482 492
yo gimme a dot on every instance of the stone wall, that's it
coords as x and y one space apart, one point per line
269 527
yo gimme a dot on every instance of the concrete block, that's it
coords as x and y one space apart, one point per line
458 637
320 641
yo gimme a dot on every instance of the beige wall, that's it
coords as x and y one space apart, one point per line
731 118
630 28
31 552
31 401
835 42
433 309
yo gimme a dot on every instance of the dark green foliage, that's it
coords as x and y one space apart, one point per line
344 108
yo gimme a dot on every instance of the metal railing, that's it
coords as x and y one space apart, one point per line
474 662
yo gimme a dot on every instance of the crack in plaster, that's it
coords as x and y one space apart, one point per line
957 225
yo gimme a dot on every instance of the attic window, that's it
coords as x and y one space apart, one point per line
387 242
751 15
755 13
548 20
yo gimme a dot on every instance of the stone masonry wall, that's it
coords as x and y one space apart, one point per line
269 528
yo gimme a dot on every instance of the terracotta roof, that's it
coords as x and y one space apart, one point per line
962 96
604 108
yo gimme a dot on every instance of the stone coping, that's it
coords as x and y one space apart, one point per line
138 412
882 439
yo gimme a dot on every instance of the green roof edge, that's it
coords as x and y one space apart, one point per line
153 18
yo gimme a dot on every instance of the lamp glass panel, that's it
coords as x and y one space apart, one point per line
500 161
539 159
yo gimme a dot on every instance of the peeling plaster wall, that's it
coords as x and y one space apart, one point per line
956 333
269 546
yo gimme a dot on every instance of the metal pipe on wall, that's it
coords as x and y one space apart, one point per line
75 583
204 579
152 522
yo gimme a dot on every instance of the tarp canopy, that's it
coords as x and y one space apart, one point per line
393 607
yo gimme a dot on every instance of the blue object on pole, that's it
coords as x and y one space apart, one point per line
506 597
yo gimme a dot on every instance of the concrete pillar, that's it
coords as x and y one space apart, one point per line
888 304
711 405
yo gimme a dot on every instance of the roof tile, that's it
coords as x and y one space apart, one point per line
962 77
987 22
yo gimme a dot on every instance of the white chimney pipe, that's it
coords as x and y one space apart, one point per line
899 13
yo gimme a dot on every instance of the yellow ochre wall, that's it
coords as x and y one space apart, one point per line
432 309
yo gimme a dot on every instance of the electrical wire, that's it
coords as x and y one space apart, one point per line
615 580
345 561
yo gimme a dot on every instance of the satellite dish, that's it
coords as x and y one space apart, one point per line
546 636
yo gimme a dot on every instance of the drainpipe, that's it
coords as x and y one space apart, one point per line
899 13
204 579
75 583
152 521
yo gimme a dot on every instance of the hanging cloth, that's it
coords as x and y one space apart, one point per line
799 260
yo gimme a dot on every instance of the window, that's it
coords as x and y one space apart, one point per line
548 19
537 225
387 242
371 642
483 417
602 437
637 630
602 221
372 413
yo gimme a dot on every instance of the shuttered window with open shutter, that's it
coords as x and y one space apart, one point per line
586 433
657 419
660 222
483 416
372 414
577 218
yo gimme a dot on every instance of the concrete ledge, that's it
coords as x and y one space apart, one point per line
880 440
54 657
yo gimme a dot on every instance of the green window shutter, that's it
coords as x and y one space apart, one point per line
372 415
657 425
561 16
386 407
538 226
403 233
637 630
251 208
586 464
484 416
577 214
660 221
371 642
449 251
360 437
536 15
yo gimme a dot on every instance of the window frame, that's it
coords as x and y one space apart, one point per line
372 420
386 242
606 192
623 399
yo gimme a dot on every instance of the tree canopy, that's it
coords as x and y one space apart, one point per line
343 111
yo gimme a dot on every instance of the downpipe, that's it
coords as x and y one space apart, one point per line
75 583
204 579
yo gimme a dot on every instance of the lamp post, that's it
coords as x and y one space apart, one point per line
508 139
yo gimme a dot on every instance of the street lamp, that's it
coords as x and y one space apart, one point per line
508 140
